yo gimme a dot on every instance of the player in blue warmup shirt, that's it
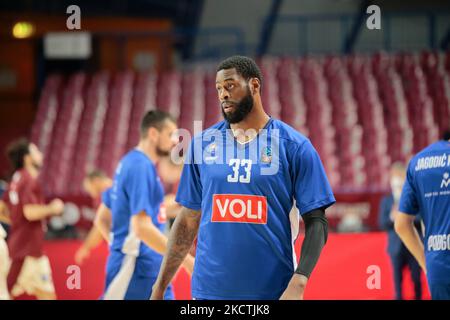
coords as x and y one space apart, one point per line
244 185
427 192
131 217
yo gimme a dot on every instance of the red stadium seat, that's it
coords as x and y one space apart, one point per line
360 112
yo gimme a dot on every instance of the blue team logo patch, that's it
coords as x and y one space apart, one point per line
210 152
266 155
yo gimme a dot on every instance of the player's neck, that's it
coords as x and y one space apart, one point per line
148 151
32 171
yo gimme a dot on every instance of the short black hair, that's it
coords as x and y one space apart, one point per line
446 135
16 152
245 66
96 173
154 119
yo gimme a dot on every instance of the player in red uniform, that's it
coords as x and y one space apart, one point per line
30 270
4 256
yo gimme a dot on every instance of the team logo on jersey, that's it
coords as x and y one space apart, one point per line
446 180
211 150
162 214
266 155
239 208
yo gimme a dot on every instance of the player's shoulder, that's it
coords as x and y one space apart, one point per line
431 156
21 177
134 160
136 156
220 127
432 149
17 176
288 134
216 129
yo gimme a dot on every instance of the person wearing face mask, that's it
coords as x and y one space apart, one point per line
399 254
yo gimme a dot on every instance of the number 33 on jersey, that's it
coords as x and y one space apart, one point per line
236 164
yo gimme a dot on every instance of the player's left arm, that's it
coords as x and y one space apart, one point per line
316 234
313 195
406 230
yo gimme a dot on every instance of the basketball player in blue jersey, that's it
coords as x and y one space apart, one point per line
244 185
131 217
427 192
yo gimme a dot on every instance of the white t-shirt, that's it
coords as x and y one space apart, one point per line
2 232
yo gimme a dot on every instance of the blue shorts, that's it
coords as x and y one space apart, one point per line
126 281
439 291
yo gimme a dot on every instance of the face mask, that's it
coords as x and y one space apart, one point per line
396 187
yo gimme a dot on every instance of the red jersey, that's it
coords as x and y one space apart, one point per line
26 237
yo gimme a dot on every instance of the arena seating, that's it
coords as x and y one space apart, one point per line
362 112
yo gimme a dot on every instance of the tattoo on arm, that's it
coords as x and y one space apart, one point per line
181 237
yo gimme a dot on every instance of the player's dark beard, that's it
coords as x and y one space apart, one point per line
242 109
36 165
162 153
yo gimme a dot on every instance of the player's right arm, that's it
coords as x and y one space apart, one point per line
103 221
35 212
406 230
404 220
182 235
